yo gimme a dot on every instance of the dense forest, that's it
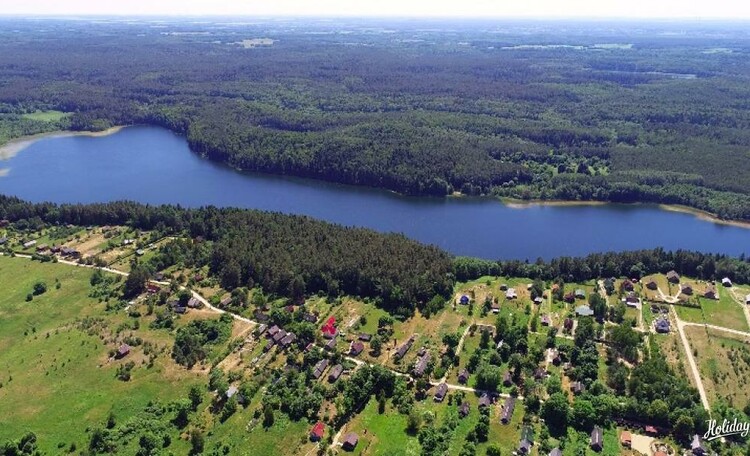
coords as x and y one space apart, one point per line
617 112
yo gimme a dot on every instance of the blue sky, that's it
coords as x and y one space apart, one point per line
733 9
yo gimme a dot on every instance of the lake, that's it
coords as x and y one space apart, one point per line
152 165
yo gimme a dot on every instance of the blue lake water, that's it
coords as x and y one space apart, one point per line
152 165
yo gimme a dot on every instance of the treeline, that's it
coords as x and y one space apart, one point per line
633 264
287 255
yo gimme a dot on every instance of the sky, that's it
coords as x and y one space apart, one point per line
695 9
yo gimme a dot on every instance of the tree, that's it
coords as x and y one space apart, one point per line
197 442
413 421
196 396
182 408
684 427
148 444
493 450
482 429
268 417
488 377
583 415
40 288
376 346
136 281
555 412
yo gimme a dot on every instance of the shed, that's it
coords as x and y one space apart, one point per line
331 345
365 337
350 441
123 351
421 366
626 439
440 392
711 293
335 373
597 439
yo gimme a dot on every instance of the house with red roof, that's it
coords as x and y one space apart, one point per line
316 433
329 329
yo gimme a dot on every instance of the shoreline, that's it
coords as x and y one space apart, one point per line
14 146
698 213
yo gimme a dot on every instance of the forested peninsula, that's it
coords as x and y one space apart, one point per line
520 110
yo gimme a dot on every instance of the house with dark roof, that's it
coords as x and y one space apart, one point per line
330 345
421 366
194 303
527 440
651 284
272 331
317 432
673 277
364 337
710 292
568 324
464 300
540 373
556 452
696 446
686 289
335 373
627 285
464 409
278 336
350 441
631 300
662 325
485 400
569 297
441 392
577 387
356 348
503 286
226 301
287 340
597 439
463 376
401 351
507 413
178 307
319 368
122 351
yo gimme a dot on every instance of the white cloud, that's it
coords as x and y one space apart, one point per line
734 9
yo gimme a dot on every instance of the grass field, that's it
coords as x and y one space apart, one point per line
724 362
55 368
46 116
725 312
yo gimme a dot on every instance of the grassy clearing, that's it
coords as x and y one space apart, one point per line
46 116
54 359
724 363
724 312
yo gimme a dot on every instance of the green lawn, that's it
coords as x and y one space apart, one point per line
56 371
46 116
725 312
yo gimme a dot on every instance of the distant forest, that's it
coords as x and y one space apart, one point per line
614 112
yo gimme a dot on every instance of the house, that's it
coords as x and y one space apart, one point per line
507 413
401 351
651 430
179 308
28 244
538 300
747 299
464 300
662 325
726 282
335 373
42 247
577 387
568 324
440 392
540 373
507 379
152 288
545 320
631 300
584 311
226 301
69 252
464 409
484 400
597 439
651 284
350 441
569 297
686 289
287 340
627 285
55 249
463 376
495 307
580 294
261 328
511 293
711 293
193 303
527 440
319 368
198 278
317 432
503 287
673 277
272 331
123 351
356 348
696 446
329 329
421 366
140 252
231 391
278 336
626 439
364 337
555 452
330 345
